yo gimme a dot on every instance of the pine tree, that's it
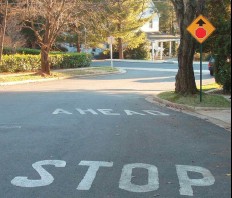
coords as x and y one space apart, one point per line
125 18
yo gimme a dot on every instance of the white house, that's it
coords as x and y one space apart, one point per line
152 25
154 35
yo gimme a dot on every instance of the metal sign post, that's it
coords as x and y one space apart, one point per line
111 55
110 42
201 77
201 29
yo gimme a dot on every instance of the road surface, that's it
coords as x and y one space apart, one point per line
97 137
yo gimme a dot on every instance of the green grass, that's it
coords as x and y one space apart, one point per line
21 77
57 74
194 100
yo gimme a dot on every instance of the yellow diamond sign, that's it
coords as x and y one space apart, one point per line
201 29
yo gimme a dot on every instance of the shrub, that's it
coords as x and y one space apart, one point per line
222 53
103 55
28 51
223 74
72 60
22 63
139 53
8 51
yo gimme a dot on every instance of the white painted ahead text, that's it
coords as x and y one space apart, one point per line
109 112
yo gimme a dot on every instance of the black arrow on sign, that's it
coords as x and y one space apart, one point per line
201 22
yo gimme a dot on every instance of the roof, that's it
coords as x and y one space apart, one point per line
158 36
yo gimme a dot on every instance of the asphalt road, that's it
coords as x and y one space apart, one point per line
98 137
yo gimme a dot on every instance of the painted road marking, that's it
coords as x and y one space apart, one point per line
87 182
10 126
186 183
125 182
46 178
109 112
84 112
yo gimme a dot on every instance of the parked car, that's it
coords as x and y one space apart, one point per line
211 65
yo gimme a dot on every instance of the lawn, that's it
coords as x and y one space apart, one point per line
209 100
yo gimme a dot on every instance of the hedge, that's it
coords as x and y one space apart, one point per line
22 63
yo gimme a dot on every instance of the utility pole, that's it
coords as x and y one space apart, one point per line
3 29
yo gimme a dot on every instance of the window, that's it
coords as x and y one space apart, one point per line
151 24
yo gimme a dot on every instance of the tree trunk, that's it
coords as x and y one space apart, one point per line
119 27
120 48
45 64
185 79
78 44
186 12
3 30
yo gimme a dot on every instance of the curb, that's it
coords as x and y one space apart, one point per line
121 71
193 111
136 61
29 81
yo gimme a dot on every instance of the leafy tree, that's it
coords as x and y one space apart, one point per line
47 19
9 24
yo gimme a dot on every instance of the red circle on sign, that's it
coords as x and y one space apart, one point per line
201 33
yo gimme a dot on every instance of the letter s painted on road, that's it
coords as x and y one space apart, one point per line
46 178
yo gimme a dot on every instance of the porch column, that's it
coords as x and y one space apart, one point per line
153 51
162 50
